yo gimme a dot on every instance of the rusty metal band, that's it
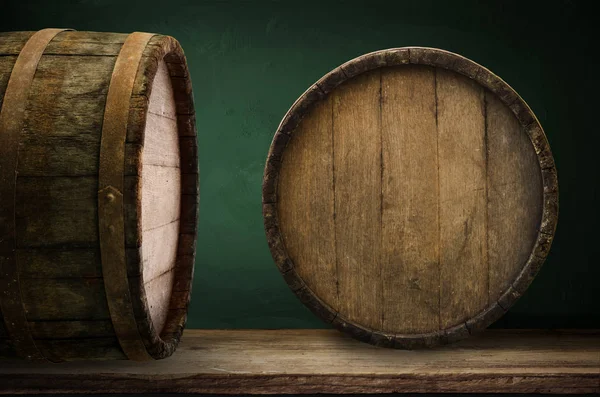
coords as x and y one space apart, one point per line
12 117
110 196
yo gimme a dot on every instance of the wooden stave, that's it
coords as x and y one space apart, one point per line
396 57
159 47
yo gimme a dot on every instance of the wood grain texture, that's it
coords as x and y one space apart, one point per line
307 180
357 189
6 65
155 142
12 117
71 215
59 263
58 299
163 344
161 195
514 196
74 263
410 225
444 197
162 100
463 198
316 361
11 43
87 44
61 133
161 198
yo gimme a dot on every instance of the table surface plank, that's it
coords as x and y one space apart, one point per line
325 361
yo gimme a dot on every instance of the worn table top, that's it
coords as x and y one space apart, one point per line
325 361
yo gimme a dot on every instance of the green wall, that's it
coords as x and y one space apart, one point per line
251 60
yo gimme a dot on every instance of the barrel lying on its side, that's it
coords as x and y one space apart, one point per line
410 197
98 195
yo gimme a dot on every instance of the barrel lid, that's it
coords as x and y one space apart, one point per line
410 197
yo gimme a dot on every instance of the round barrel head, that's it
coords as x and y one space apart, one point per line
160 197
409 197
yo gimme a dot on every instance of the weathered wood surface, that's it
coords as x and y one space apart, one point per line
462 198
318 253
409 206
517 195
325 361
71 215
357 162
57 253
409 197
12 117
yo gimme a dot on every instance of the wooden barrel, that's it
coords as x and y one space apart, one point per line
410 197
98 195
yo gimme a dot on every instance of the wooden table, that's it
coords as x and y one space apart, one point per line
325 361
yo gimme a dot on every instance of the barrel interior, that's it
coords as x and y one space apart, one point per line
409 198
160 197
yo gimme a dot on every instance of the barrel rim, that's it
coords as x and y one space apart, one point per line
396 57
162 345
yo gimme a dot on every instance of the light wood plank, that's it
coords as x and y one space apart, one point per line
514 196
159 294
161 196
317 361
161 148
462 175
306 207
357 186
409 255
162 100
159 257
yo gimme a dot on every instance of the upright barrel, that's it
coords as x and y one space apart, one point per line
98 195
410 197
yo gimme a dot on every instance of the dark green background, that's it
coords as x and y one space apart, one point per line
249 62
